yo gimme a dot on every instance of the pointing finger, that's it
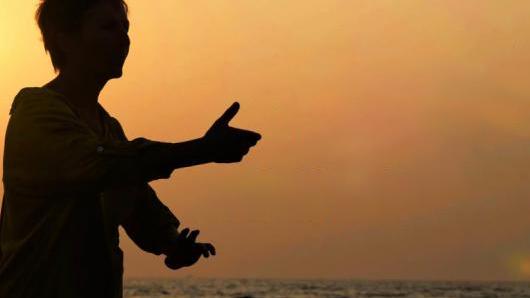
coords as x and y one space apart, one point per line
248 134
228 114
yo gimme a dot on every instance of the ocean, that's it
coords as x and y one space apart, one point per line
276 288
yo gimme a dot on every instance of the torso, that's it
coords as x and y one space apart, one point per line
96 123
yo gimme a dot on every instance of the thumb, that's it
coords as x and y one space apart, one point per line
228 114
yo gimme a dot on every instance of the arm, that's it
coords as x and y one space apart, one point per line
49 151
151 225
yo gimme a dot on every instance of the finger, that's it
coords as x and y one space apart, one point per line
247 133
234 157
245 150
247 136
210 248
228 114
246 142
205 252
238 148
239 152
183 234
193 235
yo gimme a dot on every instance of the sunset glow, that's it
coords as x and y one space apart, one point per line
395 136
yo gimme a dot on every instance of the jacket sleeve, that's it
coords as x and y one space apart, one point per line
150 225
48 150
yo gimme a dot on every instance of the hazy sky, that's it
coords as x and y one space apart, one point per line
396 134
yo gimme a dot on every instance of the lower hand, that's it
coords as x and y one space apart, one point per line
185 252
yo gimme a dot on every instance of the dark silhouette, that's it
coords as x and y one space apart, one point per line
72 177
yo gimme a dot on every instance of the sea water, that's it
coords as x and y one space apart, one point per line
298 288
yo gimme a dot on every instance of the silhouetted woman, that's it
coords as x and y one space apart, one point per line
71 176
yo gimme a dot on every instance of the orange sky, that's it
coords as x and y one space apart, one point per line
396 134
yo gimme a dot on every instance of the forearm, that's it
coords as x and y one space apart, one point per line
151 224
150 160
150 237
190 153
157 160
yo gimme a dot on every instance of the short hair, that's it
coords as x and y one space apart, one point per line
55 16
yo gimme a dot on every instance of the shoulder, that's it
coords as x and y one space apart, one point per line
38 100
116 126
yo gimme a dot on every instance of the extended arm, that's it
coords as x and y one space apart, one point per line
49 151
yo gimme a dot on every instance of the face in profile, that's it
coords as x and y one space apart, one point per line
103 43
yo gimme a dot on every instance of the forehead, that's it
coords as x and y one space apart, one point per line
105 10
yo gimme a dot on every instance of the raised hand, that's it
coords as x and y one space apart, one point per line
185 251
229 144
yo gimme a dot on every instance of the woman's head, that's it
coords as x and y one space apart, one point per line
85 35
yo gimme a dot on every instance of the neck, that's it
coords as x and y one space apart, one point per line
80 89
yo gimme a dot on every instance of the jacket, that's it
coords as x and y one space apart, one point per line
66 192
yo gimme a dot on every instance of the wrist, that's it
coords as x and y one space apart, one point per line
204 150
190 153
169 245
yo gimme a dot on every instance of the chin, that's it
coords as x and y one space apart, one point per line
115 74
